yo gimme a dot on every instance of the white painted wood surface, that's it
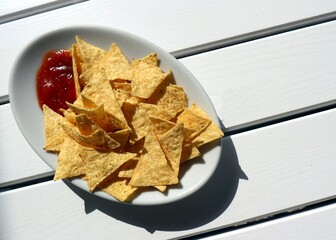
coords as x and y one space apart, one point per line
269 76
273 169
173 25
268 170
20 5
246 82
18 162
308 225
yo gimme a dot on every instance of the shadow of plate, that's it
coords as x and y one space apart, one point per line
196 210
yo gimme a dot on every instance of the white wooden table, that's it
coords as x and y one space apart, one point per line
269 68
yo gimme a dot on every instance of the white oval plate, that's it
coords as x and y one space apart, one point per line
29 117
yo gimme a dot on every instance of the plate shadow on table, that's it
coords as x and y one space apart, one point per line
194 211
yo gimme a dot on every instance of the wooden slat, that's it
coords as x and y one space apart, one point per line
313 224
272 76
265 171
174 25
18 162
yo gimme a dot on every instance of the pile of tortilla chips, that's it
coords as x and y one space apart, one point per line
130 128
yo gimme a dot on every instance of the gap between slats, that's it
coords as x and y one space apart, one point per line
262 219
37 10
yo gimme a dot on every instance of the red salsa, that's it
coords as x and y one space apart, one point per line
54 81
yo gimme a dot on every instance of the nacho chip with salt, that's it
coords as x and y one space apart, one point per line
90 53
75 68
100 92
193 121
161 126
99 165
85 125
120 189
97 115
54 134
210 133
99 139
120 136
127 169
115 64
138 120
152 168
172 143
156 111
69 163
173 100
146 77
189 151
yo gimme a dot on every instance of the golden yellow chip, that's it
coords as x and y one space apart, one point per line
99 139
171 143
193 121
120 189
75 68
138 120
161 188
69 163
211 133
100 92
146 77
121 84
120 136
99 165
156 111
69 115
90 53
121 96
54 133
85 125
161 126
152 168
189 151
127 169
97 115
173 100
115 64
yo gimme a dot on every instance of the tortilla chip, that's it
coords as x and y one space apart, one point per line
96 115
99 165
127 169
138 120
121 84
54 134
97 140
161 126
121 96
193 121
161 188
100 92
173 100
120 136
120 189
156 111
69 163
189 151
210 133
85 125
115 64
75 68
171 143
146 77
90 53
153 168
